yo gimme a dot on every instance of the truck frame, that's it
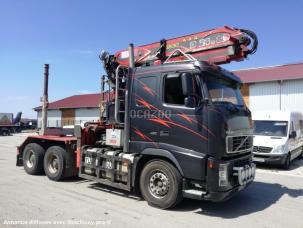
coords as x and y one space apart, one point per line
172 124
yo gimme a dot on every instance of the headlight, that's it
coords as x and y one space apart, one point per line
223 175
279 149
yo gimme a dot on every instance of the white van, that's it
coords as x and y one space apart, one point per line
278 137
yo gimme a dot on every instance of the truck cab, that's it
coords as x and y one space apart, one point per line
194 113
189 130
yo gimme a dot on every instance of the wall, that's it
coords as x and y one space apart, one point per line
53 118
245 93
285 95
81 115
292 95
86 114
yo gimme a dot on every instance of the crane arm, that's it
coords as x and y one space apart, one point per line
217 46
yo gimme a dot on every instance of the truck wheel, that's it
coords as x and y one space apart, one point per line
286 164
301 155
33 155
13 130
54 163
5 132
161 184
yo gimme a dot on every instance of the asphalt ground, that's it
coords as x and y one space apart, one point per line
275 199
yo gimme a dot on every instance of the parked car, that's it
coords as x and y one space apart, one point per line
278 137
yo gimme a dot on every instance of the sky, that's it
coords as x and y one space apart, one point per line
69 35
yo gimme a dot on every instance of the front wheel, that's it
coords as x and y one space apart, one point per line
161 184
286 164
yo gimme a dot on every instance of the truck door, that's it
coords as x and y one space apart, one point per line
144 106
185 126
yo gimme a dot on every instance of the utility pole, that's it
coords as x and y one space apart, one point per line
44 100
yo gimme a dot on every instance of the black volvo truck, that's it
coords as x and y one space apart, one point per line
168 130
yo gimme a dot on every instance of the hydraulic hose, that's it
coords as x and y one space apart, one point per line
253 37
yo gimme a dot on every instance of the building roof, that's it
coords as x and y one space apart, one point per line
271 73
76 101
261 74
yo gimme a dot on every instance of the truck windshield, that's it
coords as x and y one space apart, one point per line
222 91
270 128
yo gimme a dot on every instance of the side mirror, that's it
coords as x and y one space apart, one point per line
187 84
293 134
190 102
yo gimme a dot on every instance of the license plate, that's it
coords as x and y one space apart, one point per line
88 160
259 159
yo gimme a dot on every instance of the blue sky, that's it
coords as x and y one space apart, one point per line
69 35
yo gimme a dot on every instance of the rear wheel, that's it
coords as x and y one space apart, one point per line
33 155
161 184
13 130
54 163
286 164
5 132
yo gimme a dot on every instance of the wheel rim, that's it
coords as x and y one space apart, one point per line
31 159
158 184
53 164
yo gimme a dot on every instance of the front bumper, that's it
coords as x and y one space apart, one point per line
225 195
219 196
240 174
273 159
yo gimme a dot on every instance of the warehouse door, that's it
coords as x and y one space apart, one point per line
264 96
292 95
68 117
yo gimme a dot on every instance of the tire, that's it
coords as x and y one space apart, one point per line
33 155
157 174
5 132
54 163
13 130
287 162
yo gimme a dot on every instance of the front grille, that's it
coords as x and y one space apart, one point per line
242 162
262 149
241 143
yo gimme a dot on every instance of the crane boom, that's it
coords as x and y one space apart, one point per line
216 46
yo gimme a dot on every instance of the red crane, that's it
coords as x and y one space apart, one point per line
216 46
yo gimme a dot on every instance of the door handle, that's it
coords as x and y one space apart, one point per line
164 133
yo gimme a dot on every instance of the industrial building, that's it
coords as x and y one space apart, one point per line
274 87
71 110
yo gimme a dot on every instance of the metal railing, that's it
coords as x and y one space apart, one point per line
61 123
